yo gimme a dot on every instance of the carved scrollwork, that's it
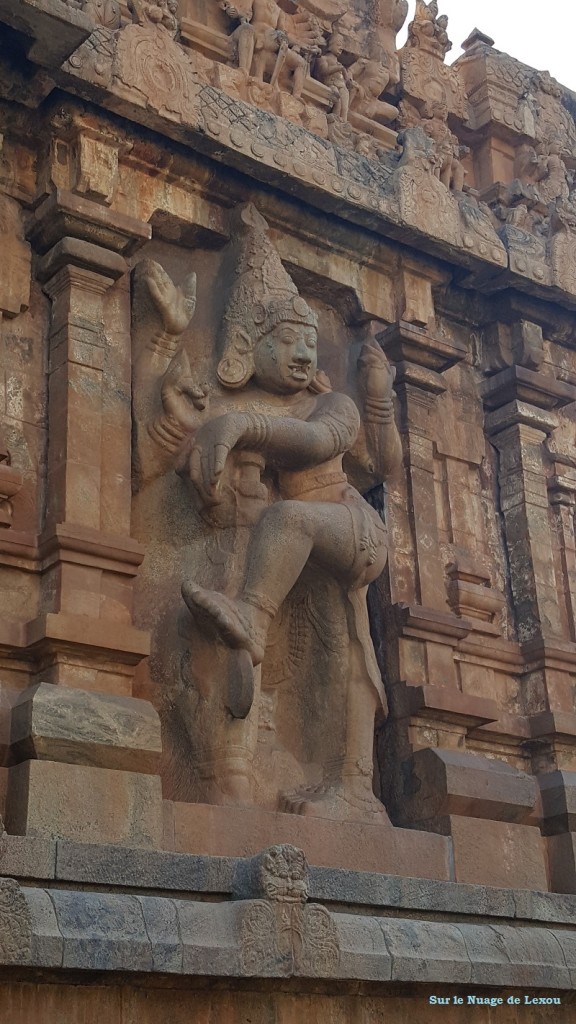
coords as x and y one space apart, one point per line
15 923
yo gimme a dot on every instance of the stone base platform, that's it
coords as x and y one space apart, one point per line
242 831
133 936
208 830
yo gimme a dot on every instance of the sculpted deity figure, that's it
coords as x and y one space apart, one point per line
428 30
448 168
273 428
552 175
371 78
541 173
269 43
160 12
333 74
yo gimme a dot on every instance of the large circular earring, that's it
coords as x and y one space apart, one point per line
234 371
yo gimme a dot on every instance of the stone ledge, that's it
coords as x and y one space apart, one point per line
86 864
118 932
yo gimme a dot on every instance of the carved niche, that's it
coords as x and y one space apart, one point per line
246 459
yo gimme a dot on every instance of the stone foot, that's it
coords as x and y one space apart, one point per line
341 801
231 619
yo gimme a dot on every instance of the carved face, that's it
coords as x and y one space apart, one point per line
285 360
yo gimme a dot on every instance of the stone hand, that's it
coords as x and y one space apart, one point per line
377 374
182 396
212 445
175 305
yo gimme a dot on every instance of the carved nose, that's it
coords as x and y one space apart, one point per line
302 357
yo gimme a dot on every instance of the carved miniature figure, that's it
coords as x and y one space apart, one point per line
449 168
428 31
335 76
552 176
269 43
159 12
273 428
371 78
441 34
104 12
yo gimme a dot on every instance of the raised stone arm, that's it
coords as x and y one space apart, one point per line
378 450
162 372
286 442
175 305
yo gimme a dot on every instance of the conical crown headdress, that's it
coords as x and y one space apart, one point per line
262 296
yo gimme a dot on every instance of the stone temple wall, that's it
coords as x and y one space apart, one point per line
287 517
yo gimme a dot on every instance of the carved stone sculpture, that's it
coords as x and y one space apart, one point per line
149 59
261 449
268 44
428 30
281 926
449 168
371 78
335 76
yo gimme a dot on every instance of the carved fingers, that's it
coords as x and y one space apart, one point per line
175 304
182 397
377 382
212 446
378 375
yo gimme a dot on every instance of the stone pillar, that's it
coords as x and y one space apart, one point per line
421 633
90 559
85 753
521 416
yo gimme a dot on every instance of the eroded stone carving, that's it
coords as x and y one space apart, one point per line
10 484
283 928
370 79
15 923
149 59
428 30
335 76
425 77
268 42
261 450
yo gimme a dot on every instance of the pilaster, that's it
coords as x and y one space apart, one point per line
83 638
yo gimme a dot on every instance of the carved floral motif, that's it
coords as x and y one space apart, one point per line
283 929
15 923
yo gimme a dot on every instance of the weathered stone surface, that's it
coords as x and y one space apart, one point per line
162 928
363 950
424 951
27 857
51 800
81 727
15 284
115 866
536 956
454 782
101 931
522 856
237 832
357 887
47 945
210 942
562 861
55 27
15 924
558 791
